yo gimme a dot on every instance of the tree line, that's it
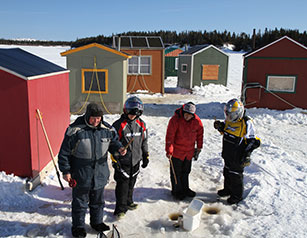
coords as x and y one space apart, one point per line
241 41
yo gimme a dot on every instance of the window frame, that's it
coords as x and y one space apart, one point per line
293 90
139 65
83 90
176 63
186 68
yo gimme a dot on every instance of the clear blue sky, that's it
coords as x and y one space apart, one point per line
68 20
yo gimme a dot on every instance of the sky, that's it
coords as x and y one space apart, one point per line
70 20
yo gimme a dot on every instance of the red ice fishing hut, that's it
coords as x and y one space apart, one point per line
275 76
28 83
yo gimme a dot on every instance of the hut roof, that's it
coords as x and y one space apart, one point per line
274 42
103 47
199 48
25 64
173 52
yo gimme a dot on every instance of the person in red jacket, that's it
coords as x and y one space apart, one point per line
184 131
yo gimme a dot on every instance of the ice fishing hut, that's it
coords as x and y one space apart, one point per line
202 64
275 76
146 66
98 74
171 60
28 83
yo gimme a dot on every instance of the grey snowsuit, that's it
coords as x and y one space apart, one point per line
83 154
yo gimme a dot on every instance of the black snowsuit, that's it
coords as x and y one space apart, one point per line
83 154
238 142
128 167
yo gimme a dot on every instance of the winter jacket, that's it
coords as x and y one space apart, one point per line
84 152
138 149
238 142
182 135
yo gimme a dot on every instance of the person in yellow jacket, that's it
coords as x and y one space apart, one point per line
239 141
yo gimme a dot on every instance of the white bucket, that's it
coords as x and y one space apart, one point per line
192 215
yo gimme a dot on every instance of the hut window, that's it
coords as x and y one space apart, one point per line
210 72
139 65
94 81
184 68
281 83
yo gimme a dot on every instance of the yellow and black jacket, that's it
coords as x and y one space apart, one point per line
239 141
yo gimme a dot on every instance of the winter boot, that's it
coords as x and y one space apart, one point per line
119 215
233 200
78 232
100 227
190 193
178 196
223 193
132 206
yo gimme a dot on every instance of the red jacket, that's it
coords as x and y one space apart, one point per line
182 135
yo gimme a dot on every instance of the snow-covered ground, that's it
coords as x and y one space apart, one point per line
275 182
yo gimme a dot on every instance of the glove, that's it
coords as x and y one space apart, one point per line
219 126
72 183
246 161
145 160
116 166
196 153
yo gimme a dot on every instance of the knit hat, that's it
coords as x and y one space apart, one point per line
93 110
189 108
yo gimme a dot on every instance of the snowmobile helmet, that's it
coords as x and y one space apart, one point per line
134 106
234 110
189 108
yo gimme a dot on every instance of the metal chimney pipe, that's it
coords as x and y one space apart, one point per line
118 43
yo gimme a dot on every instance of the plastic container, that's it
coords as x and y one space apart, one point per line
192 215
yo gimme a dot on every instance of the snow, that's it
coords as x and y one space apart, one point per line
275 182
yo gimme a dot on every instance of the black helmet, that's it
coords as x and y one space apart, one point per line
134 106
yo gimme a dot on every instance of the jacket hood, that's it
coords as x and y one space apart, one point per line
93 110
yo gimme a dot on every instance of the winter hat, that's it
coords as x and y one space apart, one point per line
189 108
93 110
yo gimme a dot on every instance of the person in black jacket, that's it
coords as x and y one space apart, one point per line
83 162
132 133
238 143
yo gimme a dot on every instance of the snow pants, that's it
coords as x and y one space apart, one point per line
82 198
182 171
233 182
123 191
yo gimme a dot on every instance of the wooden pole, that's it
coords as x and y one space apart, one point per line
49 146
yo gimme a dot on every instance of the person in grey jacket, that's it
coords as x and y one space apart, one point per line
83 162
132 132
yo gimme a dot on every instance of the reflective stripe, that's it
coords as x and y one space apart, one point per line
233 172
124 173
136 173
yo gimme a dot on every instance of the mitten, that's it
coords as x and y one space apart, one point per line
219 126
